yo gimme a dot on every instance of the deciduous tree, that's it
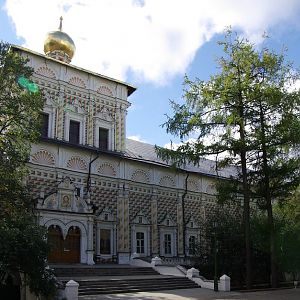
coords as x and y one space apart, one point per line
242 113
23 247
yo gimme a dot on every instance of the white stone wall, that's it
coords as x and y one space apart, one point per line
126 187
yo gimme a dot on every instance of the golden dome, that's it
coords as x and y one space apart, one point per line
59 41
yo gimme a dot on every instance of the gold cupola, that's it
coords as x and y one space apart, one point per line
59 45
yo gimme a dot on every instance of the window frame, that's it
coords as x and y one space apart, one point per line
76 117
99 138
99 123
43 123
140 242
74 134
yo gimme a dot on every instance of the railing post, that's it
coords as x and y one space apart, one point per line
192 273
156 261
71 290
225 283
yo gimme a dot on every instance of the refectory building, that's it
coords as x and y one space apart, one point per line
104 197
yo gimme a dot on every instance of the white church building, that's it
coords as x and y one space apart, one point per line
105 198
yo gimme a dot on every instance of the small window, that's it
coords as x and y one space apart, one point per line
44 124
192 225
168 244
140 242
140 220
105 242
74 132
168 222
105 217
192 245
103 139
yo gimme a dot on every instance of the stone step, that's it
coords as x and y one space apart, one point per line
81 272
136 285
89 283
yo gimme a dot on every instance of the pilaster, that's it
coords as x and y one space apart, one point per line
123 224
154 227
90 248
180 233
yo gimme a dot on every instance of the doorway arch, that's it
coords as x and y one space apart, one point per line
64 250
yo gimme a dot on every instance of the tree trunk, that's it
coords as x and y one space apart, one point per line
246 216
246 194
267 196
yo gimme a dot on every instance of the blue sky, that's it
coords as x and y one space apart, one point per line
151 43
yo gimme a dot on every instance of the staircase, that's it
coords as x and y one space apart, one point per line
72 272
97 287
113 279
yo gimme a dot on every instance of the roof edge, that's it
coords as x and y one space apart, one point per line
131 89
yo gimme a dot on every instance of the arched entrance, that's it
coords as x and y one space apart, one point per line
64 250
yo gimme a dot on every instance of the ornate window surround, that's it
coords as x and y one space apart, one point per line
79 117
99 123
192 229
106 220
140 224
51 121
168 226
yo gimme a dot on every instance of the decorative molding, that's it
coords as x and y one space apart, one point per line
107 169
104 114
77 81
210 188
140 176
105 90
65 199
192 223
77 163
141 218
46 71
167 181
43 157
106 215
168 221
192 185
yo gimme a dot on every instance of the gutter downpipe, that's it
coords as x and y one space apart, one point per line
88 184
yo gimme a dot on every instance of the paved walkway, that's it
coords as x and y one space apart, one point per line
201 294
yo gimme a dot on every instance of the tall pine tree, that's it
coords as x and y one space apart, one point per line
242 113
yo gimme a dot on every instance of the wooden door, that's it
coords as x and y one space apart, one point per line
55 240
64 251
72 246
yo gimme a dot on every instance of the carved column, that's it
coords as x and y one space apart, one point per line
123 224
154 222
90 244
98 239
180 235
90 125
60 115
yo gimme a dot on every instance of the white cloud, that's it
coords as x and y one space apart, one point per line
153 39
174 146
137 138
294 86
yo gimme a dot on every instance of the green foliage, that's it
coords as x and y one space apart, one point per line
226 230
19 110
23 247
249 113
287 215
215 112
287 231
23 250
